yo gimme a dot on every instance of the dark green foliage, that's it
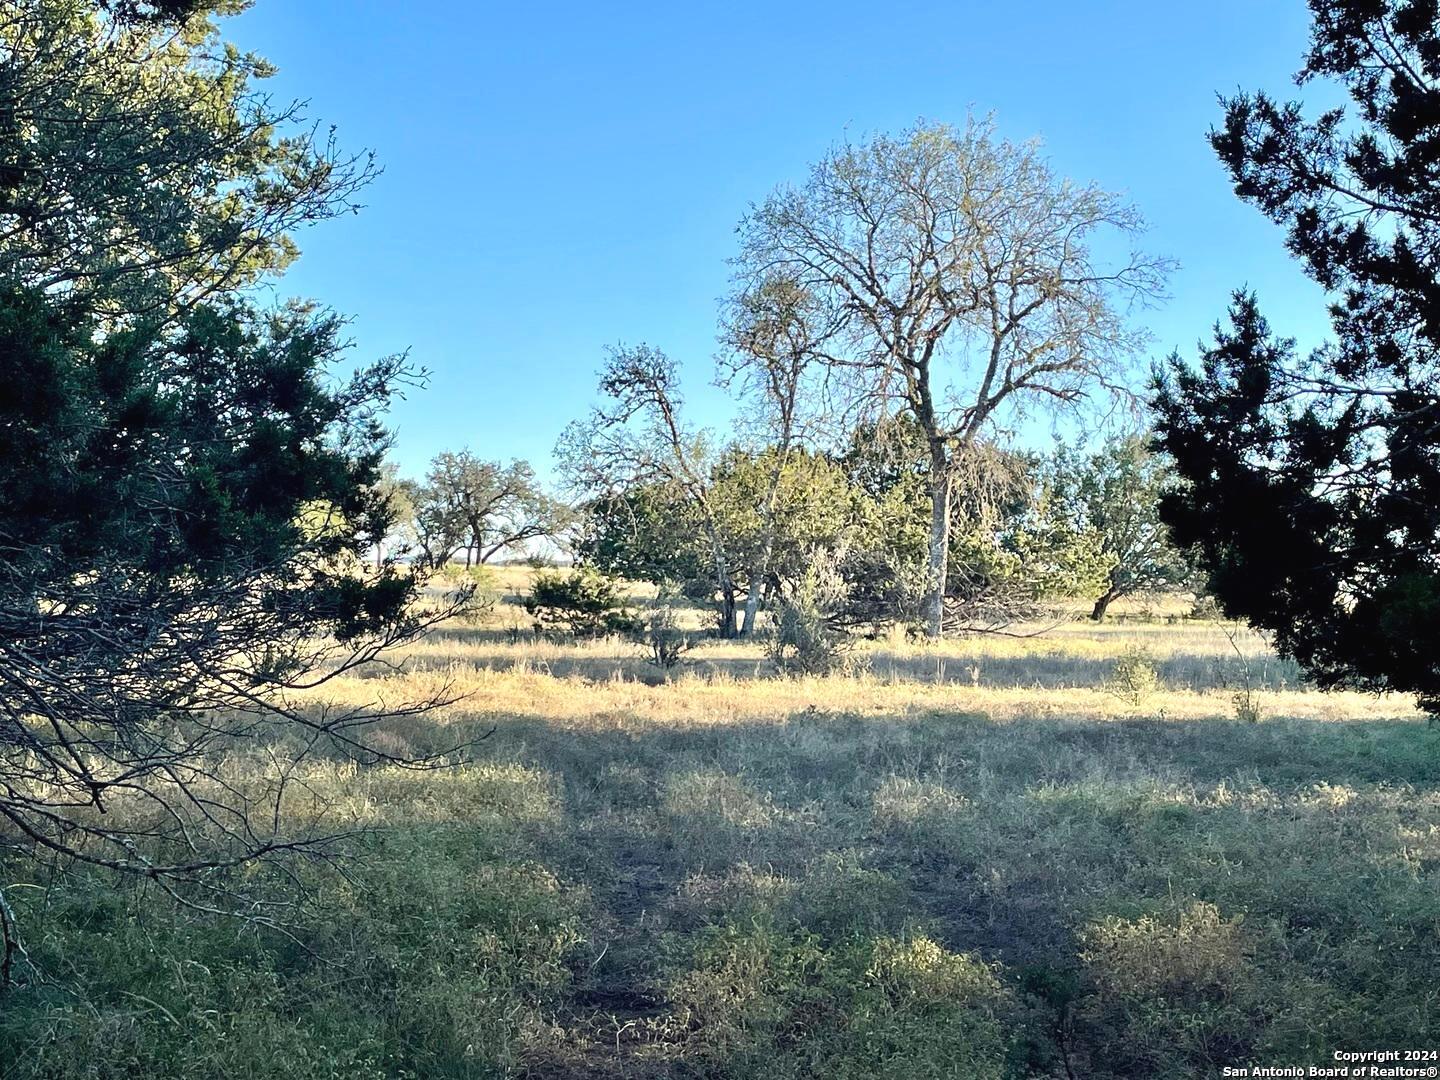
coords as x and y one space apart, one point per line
186 493
184 452
1311 491
140 164
172 12
645 532
580 602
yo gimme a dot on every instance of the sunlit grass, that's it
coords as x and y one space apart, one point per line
972 859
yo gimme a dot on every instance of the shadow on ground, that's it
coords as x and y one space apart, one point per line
1011 841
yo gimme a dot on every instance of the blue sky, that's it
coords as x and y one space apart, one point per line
560 177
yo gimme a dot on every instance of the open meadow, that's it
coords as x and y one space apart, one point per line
992 857
719 574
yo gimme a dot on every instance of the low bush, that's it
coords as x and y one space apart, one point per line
582 603
1134 677
664 641
807 638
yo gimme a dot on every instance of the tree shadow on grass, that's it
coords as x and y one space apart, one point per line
1001 838
648 809
495 650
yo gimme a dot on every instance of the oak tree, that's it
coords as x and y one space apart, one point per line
483 508
1113 494
964 280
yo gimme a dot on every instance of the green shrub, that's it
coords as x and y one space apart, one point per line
806 639
581 602
480 575
839 896
663 640
1134 677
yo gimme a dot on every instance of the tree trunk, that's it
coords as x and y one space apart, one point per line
1098 612
939 551
752 603
757 585
724 581
767 546
727 610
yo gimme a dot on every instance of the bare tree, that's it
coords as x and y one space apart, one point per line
960 270
640 438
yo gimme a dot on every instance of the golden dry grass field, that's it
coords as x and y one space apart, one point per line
990 858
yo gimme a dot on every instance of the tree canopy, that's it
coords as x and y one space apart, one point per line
1113 494
186 491
961 284
1311 483
483 508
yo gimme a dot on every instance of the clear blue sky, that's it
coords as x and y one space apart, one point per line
559 177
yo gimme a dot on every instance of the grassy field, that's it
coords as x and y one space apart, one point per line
986 859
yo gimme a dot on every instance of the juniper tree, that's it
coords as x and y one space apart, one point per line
1311 483
186 491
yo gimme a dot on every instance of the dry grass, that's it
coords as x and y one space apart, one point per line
967 860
